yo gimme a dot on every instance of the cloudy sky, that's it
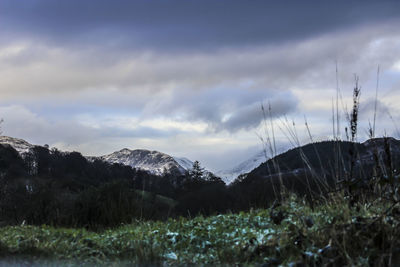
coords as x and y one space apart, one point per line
189 77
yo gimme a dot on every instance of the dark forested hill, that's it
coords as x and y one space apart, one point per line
328 157
319 166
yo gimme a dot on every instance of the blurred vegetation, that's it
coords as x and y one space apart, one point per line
288 233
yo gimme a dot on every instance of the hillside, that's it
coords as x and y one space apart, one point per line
330 159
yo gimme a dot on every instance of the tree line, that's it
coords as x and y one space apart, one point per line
47 186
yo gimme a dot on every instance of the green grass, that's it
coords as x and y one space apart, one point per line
291 232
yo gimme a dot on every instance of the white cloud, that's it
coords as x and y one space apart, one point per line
396 66
21 122
169 124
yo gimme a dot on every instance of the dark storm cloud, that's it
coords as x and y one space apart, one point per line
367 109
251 116
184 25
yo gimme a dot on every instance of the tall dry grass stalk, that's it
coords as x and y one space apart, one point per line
344 166
376 102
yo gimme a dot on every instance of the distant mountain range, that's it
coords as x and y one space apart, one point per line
318 158
154 162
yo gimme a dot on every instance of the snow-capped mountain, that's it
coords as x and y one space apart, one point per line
229 175
153 161
20 145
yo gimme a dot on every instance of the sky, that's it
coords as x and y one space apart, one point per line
189 78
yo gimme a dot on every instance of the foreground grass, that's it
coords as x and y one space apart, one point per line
289 233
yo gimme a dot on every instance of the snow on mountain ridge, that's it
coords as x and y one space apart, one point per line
229 175
18 144
153 161
187 164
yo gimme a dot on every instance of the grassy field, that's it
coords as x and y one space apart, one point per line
288 233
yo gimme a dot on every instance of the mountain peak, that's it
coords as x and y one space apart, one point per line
18 144
149 160
152 161
229 175
125 151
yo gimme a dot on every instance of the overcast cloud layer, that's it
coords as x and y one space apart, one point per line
189 77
